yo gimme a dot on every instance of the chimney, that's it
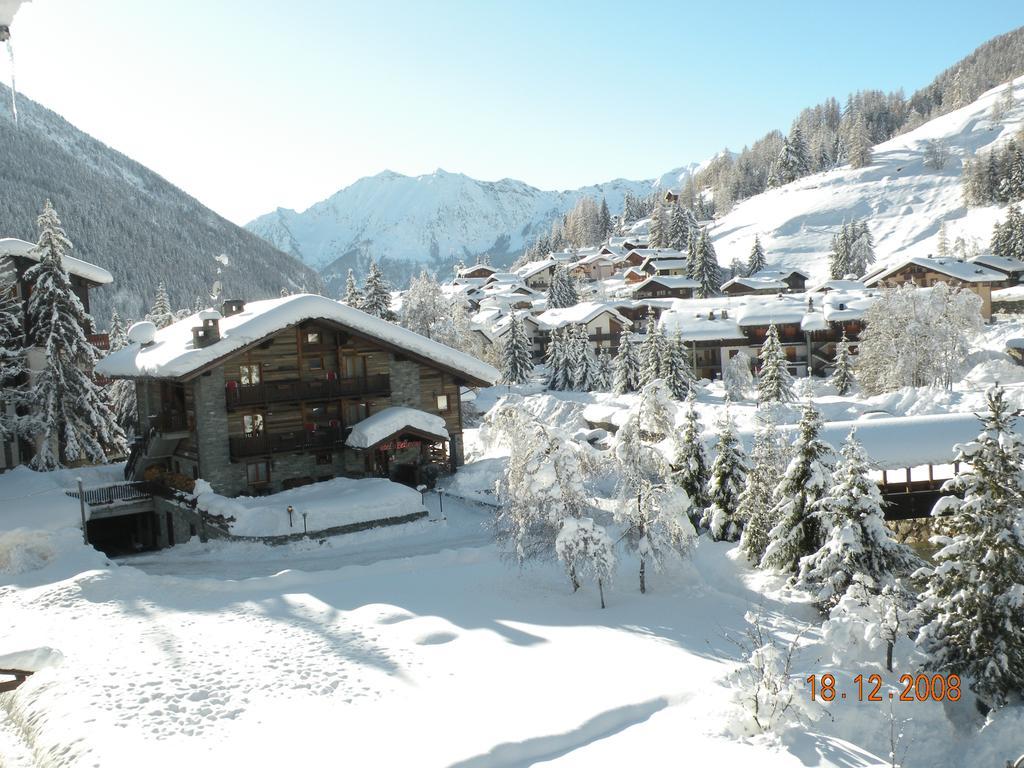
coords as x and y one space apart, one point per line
232 307
209 332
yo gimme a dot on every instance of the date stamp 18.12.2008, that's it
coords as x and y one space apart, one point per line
919 687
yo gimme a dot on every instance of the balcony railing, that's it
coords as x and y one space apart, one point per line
268 443
287 391
170 422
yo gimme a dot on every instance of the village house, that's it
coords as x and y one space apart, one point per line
274 394
16 257
758 286
604 324
1011 268
926 271
596 266
476 271
538 274
661 287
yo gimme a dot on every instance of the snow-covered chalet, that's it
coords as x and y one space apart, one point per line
269 395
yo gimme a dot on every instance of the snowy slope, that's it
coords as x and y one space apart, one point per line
439 214
903 200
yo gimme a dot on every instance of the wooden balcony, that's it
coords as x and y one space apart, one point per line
268 443
254 395
170 422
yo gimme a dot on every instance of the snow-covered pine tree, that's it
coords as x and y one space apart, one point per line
680 223
726 483
757 260
68 416
708 274
798 532
352 296
858 145
581 363
942 241
626 366
756 506
603 374
377 295
677 372
604 221
843 377
121 392
738 377
857 541
1008 236
425 308
658 228
555 359
793 161
562 291
693 254
973 605
839 258
652 510
653 352
774 384
516 360
12 349
161 314
862 248
690 462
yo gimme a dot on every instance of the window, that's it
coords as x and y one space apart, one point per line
252 424
316 363
318 413
442 402
355 412
258 472
353 367
250 374
323 458
312 337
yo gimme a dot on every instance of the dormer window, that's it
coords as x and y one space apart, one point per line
312 337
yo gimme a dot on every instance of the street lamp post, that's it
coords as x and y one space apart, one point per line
290 511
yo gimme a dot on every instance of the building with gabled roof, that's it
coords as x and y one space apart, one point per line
926 271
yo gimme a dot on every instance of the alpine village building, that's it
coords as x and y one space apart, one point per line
269 395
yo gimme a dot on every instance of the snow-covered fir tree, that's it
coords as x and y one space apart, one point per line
121 392
556 360
842 376
541 487
516 360
793 161
352 296
626 366
12 352
68 415
690 461
738 377
604 221
857 541
774 383
581 363
693 254
603 373
652 511
862 248
586 549
161 314
973 605
676 371
659 227
858 142
726 483
681 221
707 272
562 290
653 352
377 295
757 260
1008 235
756 506
799 532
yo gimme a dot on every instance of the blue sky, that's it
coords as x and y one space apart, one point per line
250 105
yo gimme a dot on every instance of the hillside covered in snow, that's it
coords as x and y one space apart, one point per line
903 200
124 217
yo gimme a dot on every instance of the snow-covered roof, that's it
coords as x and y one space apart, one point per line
756 283
669 281
838 285
577 314
839 306
813 321
532 268
12 246
779 274
503 277
1016 343
593 258
475 267
173 355
701 326
999 263
668 263
765 310
392 421
958 269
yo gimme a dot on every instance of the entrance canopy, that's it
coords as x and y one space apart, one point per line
385 425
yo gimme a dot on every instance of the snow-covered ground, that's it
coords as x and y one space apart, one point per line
421 645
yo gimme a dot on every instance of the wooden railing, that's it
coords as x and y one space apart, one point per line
100 340
268 443
170 422
286 391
